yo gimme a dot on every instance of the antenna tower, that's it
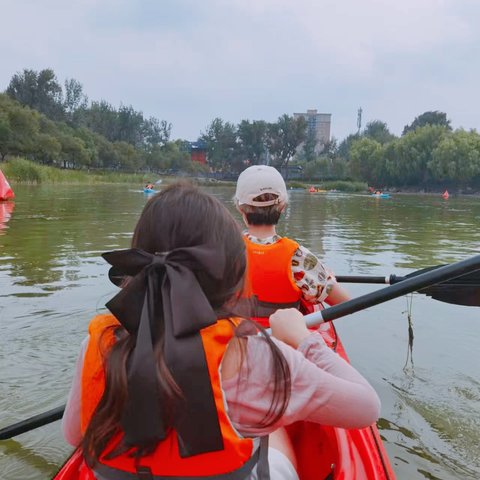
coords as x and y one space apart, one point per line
359 120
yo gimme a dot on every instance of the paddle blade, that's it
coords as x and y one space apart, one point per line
463 290
458 294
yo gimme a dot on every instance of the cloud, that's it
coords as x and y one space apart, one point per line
189 61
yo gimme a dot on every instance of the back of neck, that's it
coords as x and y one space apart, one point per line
262 231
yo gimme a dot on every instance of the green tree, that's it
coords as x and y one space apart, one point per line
38 90
407 158
327 165
457 157
378 131
252 137
284 137
156 132
129 158
224 154
338 168
47 149
73 154
177 158
24 128
129 126
107 156
5 135
101 118
366 161
315 169
74 99
88 139
428 118
343 150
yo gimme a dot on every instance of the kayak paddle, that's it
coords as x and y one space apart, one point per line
429 278
462 290
32 423
408 285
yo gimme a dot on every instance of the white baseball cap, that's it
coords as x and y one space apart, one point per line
257 180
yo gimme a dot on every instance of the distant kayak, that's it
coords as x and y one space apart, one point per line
148 190
381 195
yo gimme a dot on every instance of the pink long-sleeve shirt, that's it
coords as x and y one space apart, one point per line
325 390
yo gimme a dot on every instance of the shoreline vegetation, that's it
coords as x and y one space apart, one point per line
20 171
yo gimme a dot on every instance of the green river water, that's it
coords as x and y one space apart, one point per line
53 280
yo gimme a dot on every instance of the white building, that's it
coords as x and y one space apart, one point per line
317 124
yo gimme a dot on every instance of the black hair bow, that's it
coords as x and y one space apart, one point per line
164 295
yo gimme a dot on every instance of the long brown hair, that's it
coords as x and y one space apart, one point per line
179 216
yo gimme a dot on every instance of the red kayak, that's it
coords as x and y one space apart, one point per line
329 453
6 209
6 192
323 453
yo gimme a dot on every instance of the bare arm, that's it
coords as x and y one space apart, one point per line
337 294
325 388
71 417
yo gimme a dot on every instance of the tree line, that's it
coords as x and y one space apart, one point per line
233 147
428 154
57 125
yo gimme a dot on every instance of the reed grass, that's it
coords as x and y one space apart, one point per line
20 170
340 185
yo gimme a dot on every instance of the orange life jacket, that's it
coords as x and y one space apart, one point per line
270 278
236 459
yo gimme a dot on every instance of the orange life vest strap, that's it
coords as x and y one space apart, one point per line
258 458
102 338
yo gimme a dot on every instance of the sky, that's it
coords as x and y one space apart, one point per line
189 61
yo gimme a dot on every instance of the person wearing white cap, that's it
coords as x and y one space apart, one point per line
280 271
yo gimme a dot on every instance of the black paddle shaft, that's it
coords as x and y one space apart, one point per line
413 283
32 423
461 290
408 285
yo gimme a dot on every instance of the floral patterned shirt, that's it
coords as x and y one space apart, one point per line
313 278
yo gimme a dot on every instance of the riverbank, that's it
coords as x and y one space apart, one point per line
335 185
22 171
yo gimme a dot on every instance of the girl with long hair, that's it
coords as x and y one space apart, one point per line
173 383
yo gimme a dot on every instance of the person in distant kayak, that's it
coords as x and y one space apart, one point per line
163 386
280 271
149 186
